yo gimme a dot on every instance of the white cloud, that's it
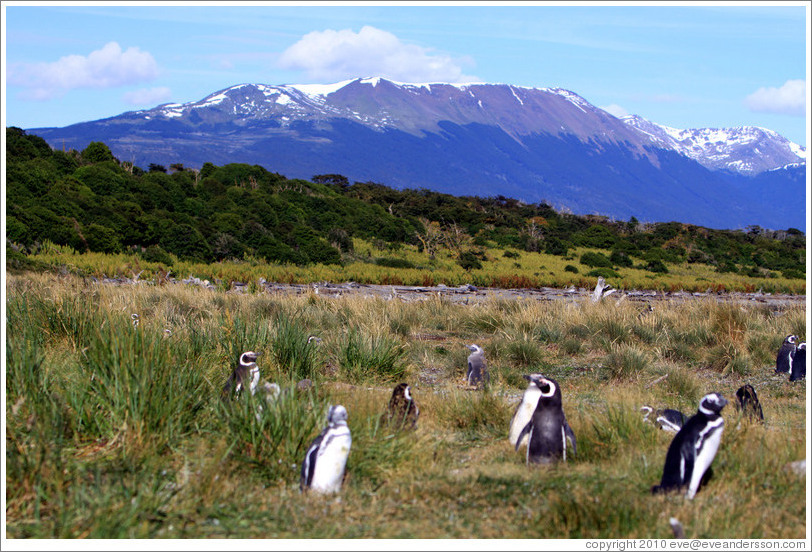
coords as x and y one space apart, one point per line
337 55
790 99
104 68
148 96
616 110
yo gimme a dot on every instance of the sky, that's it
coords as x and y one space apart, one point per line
683 65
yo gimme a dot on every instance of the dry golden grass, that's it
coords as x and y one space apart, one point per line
78 467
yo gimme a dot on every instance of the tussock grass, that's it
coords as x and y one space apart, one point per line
121 432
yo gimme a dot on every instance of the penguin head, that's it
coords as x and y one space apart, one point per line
314 340
550 392
646 410
802 346
248 358
337 415
712 403
476 349
402 390
790 339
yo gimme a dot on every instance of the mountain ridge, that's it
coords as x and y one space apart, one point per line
532 144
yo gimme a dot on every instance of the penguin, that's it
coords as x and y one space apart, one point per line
477 366
270 392
326 459
783 362
402 411
798 371
693 448
524 411
547 430
135 318
747 402
247 373
315 340
666 419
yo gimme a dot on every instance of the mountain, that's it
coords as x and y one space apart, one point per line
532 144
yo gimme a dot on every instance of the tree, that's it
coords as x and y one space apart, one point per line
431 238
96 152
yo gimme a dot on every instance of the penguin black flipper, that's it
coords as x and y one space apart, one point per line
524 432
309 464
570 436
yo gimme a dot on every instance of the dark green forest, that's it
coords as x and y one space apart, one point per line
91 201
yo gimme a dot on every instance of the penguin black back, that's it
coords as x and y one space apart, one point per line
798 370
783 361
747 402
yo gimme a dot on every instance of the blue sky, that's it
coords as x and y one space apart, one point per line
686 66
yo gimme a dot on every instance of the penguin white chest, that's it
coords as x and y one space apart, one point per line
706 446
331 462
523 416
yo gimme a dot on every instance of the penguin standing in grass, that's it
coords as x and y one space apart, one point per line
326 459
694 447
477 367
402 411
783 361
666 419
747 402
798 371
245 374
547 430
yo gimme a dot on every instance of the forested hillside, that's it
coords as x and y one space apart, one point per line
91 201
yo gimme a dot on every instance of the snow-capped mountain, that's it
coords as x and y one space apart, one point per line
747 150
532 144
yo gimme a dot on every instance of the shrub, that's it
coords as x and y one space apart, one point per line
571 268
594 259
393 262
619 258
657 266
605 272
156 254
469 260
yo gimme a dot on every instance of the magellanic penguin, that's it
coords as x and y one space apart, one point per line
135 318
246 373
477 366
402 411
798 371
548 429
747 402
326 459
783 362
666 419
692 451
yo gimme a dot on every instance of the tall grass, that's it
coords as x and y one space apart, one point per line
114 431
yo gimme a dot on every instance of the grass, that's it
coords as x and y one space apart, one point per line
528 270
115 431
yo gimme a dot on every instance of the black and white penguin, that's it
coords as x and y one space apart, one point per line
135 318
692 451
402 411
246 373
666 419
326 459
524 411
783 362
747 402
798 371
477 366
548 429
